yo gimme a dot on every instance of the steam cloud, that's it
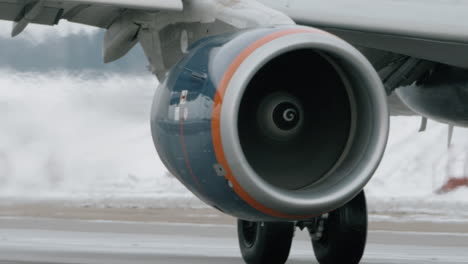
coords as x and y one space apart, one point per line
85 135
68 134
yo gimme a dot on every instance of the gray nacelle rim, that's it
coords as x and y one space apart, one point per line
299 202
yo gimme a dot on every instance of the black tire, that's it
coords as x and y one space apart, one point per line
344 236
265 242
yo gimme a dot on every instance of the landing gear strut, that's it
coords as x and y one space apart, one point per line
340 236
337 237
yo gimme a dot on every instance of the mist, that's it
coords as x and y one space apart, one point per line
74 134
75 129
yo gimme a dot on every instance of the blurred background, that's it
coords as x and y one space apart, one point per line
76 131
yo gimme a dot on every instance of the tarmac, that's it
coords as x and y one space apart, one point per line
45 233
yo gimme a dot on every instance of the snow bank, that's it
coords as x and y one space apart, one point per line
79 137
415 166
85 140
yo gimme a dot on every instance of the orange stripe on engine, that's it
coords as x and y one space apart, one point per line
216 120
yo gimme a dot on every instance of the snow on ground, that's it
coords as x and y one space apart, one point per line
84 139
415 166
79 137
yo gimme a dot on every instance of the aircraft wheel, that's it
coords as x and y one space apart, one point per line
265 242
340 236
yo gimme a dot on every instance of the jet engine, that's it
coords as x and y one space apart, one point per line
268 124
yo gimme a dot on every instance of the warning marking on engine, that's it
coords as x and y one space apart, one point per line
183 97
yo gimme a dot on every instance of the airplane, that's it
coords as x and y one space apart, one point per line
276 112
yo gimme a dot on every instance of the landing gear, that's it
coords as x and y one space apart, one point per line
340 236
265 242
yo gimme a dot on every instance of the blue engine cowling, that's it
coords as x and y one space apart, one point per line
280 123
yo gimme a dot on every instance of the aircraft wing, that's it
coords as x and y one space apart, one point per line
99 13
434 30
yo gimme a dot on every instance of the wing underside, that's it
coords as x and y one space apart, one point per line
432 30
435 30
98 13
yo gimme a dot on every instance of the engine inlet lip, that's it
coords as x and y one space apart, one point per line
294 202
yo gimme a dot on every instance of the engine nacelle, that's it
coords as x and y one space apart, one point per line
443 96
280 123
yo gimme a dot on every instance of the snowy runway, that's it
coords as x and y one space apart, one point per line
33 240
